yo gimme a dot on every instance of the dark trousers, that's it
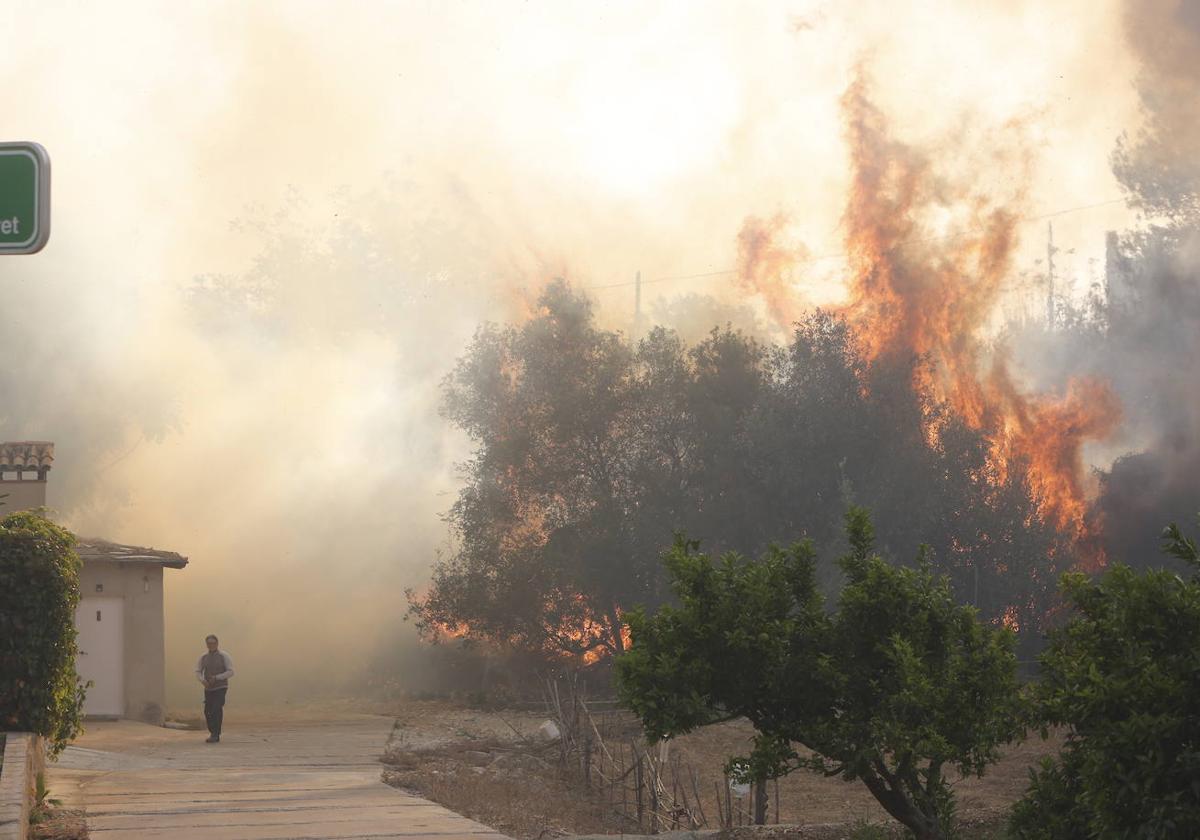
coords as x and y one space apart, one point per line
214 710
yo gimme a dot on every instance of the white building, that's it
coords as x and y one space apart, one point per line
120 613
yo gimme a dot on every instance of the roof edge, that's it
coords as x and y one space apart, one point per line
98 549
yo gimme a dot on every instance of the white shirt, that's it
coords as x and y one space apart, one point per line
224 675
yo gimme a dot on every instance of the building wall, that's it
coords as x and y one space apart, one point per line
22 495
141 586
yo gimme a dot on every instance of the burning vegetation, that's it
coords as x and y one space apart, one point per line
913 295
591 451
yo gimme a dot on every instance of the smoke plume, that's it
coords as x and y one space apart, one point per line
276 225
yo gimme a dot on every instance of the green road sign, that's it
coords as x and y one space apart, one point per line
24 198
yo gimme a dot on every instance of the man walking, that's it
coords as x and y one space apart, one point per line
214 670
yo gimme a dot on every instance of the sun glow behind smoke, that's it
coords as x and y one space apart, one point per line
484 148
637 128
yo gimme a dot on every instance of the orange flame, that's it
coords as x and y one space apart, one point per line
911 298
584 634
440 629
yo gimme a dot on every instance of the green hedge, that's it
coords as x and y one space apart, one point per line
39 591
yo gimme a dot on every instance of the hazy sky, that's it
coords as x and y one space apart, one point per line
361 184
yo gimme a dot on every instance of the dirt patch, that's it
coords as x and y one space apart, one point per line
493 768
425 725
490 767
981 826
807 798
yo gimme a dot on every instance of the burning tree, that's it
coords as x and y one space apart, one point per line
590 453
916 295
836 429
587 454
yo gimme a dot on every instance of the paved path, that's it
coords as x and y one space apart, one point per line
293 780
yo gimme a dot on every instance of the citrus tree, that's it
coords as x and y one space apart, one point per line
893 688
1123 678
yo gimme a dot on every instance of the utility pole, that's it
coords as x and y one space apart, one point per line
1050 251
637 308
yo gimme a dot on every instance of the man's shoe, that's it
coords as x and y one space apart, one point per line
212 739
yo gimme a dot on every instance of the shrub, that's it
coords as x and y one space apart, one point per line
39 590
1123 677
895 687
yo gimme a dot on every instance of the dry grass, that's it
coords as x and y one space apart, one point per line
60 824
530 807
525 797
807 798
445 754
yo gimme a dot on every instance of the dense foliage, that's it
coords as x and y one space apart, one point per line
894 686
1123 677
39 590
590 452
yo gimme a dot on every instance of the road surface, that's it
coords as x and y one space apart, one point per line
293 780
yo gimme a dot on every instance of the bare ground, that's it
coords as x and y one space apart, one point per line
489 766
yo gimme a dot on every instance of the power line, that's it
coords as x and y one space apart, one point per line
661 279
916 241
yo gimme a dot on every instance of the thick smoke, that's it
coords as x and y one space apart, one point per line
1153 287
238 358
1157 162
1153 336
1144 326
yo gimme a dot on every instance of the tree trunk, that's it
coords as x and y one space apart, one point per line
902 808
760 801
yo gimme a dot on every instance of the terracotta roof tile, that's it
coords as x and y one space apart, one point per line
26 455
94 549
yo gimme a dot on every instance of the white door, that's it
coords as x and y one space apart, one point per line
101 659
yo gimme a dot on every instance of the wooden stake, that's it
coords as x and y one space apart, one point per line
696 791
624 786
654 800
720 810
638 784
729 803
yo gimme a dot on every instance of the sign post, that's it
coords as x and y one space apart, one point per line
24 198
